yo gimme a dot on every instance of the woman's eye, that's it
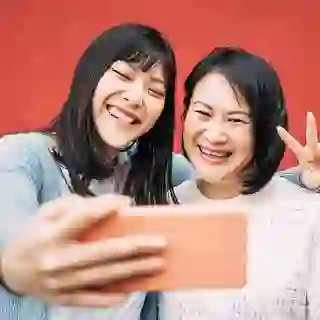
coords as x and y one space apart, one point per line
157 93
202 113
122 75
237 120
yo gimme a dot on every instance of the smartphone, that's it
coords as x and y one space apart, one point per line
206 248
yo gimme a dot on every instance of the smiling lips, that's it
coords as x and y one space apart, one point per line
122 114
214 155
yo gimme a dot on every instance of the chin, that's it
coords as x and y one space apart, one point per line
211 176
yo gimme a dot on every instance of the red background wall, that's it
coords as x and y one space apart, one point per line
41 41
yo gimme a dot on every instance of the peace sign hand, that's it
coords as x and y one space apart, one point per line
308 156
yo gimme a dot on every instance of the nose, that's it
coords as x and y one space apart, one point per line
134 93
215 133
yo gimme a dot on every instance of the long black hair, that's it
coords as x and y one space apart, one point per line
257 82
82 150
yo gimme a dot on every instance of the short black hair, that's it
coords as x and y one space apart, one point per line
83 151
257 82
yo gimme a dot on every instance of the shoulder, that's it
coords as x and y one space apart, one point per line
181 169
22 149
281 188
30 140
26 153
285 200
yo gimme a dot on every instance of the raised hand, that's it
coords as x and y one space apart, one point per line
308 155
46 259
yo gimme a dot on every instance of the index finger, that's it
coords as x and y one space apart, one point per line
86 212
311 133
290 142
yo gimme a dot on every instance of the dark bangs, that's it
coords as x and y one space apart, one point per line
146 57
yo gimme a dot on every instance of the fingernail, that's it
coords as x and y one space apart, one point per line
310 114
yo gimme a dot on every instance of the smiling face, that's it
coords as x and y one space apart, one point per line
217 133
127 102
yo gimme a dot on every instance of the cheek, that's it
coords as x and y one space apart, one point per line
97 106
98 103
154 110
190 131
244 143
106 87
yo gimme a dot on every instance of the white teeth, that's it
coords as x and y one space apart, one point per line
214 154
113 115
118 114
217 154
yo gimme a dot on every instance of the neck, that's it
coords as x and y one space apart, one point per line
220 190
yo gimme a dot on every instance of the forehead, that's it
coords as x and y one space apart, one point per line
215 90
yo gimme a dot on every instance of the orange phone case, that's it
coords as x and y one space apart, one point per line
205 248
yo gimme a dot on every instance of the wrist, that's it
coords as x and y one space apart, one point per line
3 283
308 181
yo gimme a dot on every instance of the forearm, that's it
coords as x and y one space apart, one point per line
294 175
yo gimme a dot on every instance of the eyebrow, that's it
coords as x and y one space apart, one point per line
203 104
239 112
233 112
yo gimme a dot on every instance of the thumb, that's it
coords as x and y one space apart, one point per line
83 213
